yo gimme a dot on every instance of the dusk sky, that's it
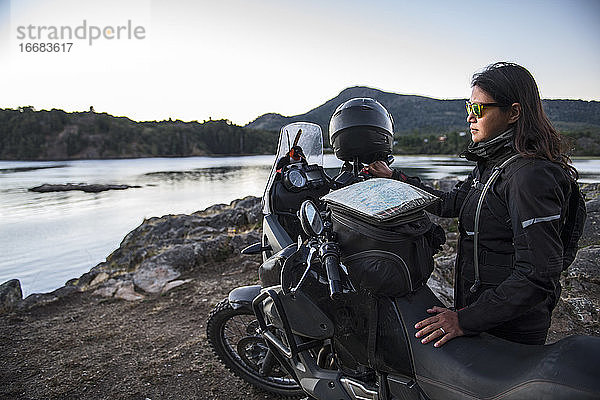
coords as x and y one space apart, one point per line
239 59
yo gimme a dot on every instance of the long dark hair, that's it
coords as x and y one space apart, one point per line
535 136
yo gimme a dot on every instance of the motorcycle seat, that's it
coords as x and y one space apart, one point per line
487 367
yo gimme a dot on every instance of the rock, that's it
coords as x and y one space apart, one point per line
118 288
89 188
581 288
40 299
241 240
10 295
152 276
585 267
64 291
107 290
174 284
444 266
188 241
36 300
126 291
584 310
444 184
442 290
101 277
590 190
450 225
593 206
591 230
84 280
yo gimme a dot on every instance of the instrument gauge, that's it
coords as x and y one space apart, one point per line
294 179
297 178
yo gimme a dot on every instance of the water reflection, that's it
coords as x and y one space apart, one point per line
450 161
589 177
26 169
225 173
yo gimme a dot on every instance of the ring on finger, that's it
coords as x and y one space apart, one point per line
443 331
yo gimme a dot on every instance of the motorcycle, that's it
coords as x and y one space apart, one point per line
320 326
232 325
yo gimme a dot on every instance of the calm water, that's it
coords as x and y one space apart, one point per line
49 238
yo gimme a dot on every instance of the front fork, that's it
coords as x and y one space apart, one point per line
294 354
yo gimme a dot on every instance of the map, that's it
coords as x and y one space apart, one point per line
381 199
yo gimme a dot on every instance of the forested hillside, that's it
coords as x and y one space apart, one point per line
26 134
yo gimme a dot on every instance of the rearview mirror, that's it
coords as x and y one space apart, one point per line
310 219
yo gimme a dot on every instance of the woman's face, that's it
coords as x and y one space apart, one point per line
493 120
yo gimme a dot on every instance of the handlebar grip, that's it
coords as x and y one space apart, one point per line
333 276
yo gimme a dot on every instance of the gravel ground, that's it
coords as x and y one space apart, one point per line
87 347
84 347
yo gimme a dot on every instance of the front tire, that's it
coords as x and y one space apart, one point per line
232 336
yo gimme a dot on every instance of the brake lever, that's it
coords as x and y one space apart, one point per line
305 274
347 281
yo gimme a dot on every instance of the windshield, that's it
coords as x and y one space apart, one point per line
304 134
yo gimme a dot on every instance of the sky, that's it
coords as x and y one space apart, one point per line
237 59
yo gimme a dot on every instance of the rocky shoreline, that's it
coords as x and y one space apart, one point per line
164 278
156 256
160 254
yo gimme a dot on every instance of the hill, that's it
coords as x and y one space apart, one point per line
417 116
412 114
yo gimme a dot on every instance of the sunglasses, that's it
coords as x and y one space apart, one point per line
477 108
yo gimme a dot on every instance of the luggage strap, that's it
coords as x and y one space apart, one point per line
372 336
497 171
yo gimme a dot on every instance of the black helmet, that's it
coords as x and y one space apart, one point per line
363 128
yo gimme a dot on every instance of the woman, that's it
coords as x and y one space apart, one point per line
509 286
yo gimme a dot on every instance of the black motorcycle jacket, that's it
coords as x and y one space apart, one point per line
519 249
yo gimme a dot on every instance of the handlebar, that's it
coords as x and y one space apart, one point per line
330 257
333 276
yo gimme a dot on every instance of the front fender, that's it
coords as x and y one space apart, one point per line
243 296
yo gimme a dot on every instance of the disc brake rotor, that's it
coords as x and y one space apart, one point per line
253 350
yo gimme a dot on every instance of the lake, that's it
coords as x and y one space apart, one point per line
49 238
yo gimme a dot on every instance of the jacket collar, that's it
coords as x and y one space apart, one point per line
490 149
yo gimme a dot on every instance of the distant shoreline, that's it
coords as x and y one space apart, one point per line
238 155
137 157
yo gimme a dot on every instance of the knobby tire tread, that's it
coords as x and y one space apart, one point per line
216 319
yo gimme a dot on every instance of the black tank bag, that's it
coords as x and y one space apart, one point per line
387 245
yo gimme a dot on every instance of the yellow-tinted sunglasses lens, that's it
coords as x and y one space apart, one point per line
474 108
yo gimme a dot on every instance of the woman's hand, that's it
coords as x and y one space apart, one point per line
379 169
443 325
